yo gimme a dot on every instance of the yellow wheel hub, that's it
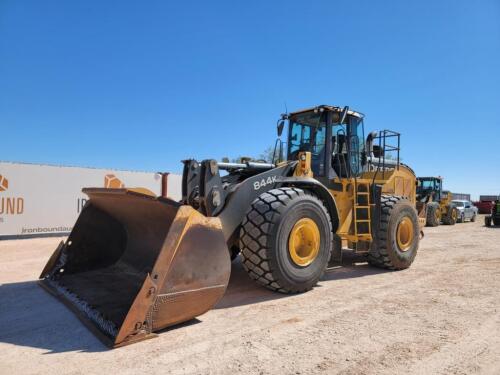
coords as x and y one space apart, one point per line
304 242
454 215
405 234
438 215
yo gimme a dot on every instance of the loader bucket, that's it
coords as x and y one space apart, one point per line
135 263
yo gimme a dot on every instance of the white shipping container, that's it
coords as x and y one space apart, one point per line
43 199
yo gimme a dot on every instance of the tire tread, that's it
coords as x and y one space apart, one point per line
378 256
257 226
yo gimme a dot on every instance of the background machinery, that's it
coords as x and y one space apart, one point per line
136 263
437 201
494 217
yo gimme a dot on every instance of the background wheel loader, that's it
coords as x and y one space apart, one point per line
136 263
437 202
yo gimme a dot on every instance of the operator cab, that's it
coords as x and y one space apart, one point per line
430 187
334 137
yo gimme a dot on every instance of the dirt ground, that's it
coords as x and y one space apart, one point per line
441 316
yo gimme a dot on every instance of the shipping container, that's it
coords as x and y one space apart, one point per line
40 200
488 198
483 207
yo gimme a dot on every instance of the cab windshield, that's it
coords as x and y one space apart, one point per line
428 184
308 133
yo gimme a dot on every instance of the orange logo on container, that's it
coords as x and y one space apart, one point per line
4 183
9 205
113 182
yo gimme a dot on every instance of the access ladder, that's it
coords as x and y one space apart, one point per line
362 211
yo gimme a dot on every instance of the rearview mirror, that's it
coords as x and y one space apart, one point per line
281 125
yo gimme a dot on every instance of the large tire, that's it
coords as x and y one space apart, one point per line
496 221
433 215
264 240
388 253
487 221
336 253
451 216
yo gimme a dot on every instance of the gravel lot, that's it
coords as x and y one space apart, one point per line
441 316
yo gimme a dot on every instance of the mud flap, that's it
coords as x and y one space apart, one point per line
135 264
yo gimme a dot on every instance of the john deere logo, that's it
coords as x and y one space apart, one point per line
112 182
9 205
4 183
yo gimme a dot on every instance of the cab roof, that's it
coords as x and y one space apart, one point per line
430 178
331 108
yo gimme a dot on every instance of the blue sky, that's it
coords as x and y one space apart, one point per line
141 85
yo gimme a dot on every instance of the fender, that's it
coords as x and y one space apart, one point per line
238 201
320 190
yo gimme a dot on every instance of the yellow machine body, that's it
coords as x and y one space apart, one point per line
401 182
136 263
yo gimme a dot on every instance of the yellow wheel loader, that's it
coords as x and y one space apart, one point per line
136 263
435 201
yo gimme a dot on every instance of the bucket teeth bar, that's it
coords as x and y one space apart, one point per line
105 325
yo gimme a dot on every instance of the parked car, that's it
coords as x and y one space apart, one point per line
466 210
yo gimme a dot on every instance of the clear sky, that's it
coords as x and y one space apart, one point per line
143 84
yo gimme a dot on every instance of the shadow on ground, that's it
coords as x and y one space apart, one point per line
244 291
31 317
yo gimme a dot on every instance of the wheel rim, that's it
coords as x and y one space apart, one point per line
304 242
437 214
454 215
404 234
